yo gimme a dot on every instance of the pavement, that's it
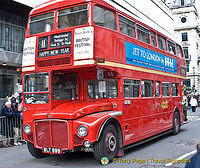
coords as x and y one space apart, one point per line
157 153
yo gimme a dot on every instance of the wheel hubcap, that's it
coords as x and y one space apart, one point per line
110 143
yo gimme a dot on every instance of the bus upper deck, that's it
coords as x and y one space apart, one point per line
79 33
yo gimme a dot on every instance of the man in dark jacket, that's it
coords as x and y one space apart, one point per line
195 160
7 132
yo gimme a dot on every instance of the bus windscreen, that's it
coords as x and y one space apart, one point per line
41 23
74 16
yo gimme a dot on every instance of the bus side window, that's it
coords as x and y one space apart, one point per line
146 88
143 34
171 47
104 18
131 88
166 89
162 43
127 27
157 89
174 89
179 53
153 39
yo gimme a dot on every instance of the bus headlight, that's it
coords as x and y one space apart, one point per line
82 131
27 129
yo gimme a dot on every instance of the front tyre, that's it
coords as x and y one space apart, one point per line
108 144
37 153
176 124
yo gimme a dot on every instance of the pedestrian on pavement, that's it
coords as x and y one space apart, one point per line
195 160
193 103
6 124
14 101
185 106
17 124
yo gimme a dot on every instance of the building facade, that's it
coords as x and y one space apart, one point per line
187 31
13 19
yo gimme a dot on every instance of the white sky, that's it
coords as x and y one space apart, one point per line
34 3
31 3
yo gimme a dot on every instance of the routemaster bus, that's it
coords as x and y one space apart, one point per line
97 80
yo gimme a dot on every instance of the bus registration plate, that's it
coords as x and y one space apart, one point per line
52 150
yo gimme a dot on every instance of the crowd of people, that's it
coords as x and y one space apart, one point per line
10 120
189 101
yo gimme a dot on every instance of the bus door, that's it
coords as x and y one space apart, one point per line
147 99
131 109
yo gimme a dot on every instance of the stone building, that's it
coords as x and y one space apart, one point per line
13 19
187 30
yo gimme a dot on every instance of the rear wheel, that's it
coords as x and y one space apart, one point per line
37 153
176 124
108 144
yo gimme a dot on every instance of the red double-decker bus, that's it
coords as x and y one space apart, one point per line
97 80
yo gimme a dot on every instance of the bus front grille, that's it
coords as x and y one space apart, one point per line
52 62
51 133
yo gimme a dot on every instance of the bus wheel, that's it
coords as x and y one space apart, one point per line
108 144
176 124
37 153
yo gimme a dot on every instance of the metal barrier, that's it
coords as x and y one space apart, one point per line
10 129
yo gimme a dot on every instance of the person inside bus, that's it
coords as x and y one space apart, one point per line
59 87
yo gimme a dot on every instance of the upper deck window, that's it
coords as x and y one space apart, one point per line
127 26
104 18
179 53
162 43
153 39
143 34
41 23
171 47
74 16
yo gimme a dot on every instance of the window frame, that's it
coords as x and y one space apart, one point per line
43 73
131 84
107 98
151 91
120 15
54 23
170 43
177 89
184 37
57 18
141 29
169 89
163 44
108 9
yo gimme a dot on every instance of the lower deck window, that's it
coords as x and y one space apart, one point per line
65 86
147 88
131 88
41 98
174 89
166 89
107 88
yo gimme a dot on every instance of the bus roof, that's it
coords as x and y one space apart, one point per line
56 4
